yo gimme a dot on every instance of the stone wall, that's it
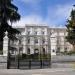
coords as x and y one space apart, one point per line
3 62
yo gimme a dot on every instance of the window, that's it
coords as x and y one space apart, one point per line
36 51
53 50
12 51
58 49
28 40
43 32
28 51
43 50
62 38
43 41
19 41
28 32
36 40
65 49
35 32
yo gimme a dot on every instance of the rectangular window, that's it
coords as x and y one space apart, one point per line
12 51
35 32
28 40
43 32
28 51
36 51
28 32
43 41
36 40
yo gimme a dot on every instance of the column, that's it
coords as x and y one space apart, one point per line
24 45
5 44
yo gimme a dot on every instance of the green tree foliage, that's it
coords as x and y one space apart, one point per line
8 12
71 29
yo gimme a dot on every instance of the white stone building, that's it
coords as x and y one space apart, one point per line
58 41
41 39
35 39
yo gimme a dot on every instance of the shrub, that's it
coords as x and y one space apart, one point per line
68 53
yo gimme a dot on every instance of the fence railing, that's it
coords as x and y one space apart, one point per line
29 61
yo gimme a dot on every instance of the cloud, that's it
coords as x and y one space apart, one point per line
31 19
58 15
55 18
31 1
63 11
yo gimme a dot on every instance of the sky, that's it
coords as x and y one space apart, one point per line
53 13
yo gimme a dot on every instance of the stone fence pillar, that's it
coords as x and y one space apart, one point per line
3 58
5 44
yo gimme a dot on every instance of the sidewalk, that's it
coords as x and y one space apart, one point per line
34 71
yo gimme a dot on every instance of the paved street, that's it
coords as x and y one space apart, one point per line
59 71
62 58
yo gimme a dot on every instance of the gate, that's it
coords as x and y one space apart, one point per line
31 61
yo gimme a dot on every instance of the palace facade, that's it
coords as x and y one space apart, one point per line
40 39
43 39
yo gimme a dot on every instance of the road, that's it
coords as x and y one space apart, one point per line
63 58
60 71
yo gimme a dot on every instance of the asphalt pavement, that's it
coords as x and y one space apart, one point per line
58 71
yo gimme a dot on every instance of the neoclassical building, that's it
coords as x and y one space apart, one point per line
58 41
37 38
40 39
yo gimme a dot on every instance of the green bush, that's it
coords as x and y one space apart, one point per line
71 52
68 53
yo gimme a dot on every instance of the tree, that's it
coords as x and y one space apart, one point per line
71 29
8 12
